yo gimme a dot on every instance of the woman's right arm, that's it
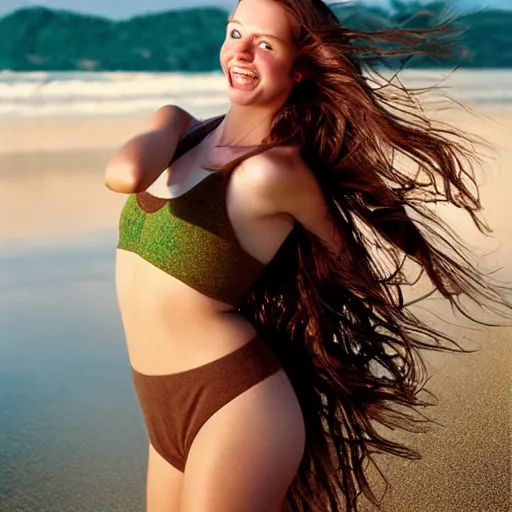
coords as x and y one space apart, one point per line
143 158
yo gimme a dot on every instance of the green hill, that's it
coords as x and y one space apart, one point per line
45 39
189 40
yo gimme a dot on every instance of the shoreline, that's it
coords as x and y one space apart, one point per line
71 133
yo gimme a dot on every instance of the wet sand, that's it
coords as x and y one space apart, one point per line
51 189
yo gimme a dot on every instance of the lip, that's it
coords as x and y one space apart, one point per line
240 81
245 68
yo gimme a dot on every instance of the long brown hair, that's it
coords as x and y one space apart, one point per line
340 325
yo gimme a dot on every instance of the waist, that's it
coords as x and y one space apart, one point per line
176 317
168 325
163 344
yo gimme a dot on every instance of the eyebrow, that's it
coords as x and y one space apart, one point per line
269 36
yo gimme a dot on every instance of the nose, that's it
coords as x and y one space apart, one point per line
244 51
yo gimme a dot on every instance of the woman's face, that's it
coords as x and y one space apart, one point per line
258 54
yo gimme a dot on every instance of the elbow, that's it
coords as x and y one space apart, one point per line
122 177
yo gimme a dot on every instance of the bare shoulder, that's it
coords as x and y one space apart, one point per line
282 183
280 179
275 166
170 116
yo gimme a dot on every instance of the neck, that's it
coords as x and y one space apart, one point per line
245 126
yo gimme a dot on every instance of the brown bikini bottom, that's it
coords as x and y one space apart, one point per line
176 406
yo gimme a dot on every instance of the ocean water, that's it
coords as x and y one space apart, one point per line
27 95
71 434
33 95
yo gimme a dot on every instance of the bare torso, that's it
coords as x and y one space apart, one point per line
169 326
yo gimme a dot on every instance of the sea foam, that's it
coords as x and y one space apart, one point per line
47 94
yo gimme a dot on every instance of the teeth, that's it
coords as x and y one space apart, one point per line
241 71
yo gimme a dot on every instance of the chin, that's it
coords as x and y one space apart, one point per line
254 98
241 98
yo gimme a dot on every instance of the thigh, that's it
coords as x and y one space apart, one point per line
247 454
164 484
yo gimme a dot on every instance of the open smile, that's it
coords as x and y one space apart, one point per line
243 78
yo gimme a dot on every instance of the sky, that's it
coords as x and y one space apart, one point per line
111 8
127 8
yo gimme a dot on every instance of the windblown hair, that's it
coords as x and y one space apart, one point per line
340 325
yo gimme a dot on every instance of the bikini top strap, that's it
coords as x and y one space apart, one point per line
195 135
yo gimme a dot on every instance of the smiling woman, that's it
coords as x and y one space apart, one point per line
267 75
270 345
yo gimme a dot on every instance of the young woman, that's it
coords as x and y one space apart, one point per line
269 343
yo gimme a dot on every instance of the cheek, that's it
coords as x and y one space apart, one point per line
277 69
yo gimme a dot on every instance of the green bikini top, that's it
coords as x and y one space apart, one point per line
190 236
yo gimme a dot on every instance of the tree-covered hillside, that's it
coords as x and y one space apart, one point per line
45 39
189 40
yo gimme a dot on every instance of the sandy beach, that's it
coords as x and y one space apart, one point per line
51 189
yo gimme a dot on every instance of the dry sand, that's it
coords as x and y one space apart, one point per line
51 185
